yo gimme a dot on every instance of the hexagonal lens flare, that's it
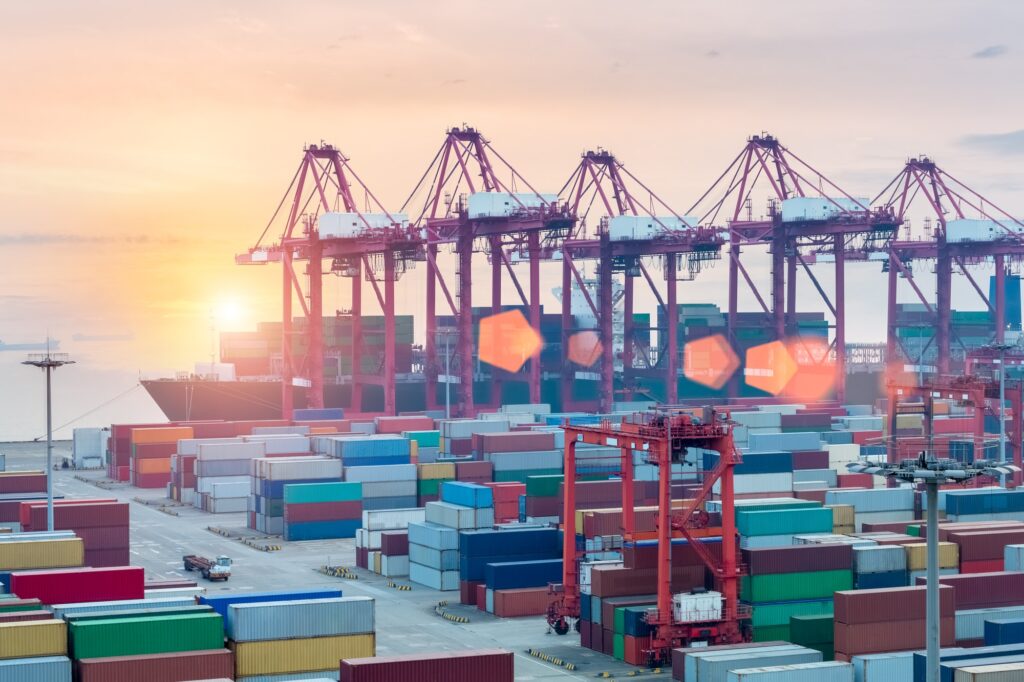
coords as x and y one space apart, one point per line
709 361
769 367
507 340
815 377
585 348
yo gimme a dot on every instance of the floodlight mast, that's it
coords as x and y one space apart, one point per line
933 472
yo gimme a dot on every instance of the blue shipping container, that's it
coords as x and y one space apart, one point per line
275 489
984 501
220 602
960 654
467 494
877 581
773 462
322 530
1004 631
512 575
475 567
311 414
837 437
489 542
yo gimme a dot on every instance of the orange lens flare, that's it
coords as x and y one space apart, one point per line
709 361
585 348
507 340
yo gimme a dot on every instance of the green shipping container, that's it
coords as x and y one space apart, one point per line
430 486
543 486
768 505
775 587
619 623
812 629
136 636
425 439
771 633
520 476
307 493
784 522
619 647
780 612
10 608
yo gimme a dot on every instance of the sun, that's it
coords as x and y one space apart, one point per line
228 312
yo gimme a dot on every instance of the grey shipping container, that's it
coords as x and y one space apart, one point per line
303 618
826 671
42 669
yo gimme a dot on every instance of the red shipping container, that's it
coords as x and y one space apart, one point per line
810 459
75 514
991 566
984 590
22 616
608 641
123 474
953 425
883 636
811 495
394 542
23 482
322 511
855 480
467 592
986 545
154 450
867 437
609 581
114 537
76 585
481 596
399 424
151 480
525 441
543 506
173 667
492 665
505 492
474 472
584 633
103 558
890 604
531 601
458 446
633 649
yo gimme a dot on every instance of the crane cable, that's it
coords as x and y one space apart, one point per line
86 414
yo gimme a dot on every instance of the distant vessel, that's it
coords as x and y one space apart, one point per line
49 344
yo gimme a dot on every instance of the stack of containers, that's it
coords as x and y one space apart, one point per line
390 486
151 450
394 554
768 471
299 636
814 632
880 505
457 434
716 664
980 596
268 478
519 588
880 566
182 487
434 556
429 477
880 621
370 538
427 444
988 504
506 500
356 451
103 526
141 636
479 548
463 506
542 502
320 511
37 647
793 581
222 475
777 527
518 466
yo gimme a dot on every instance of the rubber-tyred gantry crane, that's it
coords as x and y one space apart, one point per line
366 242
835 224
665 436
947 199
634 224
496 217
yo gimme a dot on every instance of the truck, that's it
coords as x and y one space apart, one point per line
219 569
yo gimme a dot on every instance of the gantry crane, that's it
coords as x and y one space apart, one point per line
664 436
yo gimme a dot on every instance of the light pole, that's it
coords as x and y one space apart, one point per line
446 333
932 472
1002 348
48 362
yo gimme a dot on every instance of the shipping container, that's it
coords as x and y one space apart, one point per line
284 656
492 665
827 671
67 586
172 667
33 638
257 621
40 669
102 638
221 602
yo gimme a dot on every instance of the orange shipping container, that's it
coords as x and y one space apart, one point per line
321 430
153 466
169 434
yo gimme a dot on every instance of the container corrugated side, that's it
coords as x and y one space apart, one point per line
186 665
299 655
826 671
696 663
392 519
303 618
220 602
134 636
40 669
492 665
1001 672
52 553
895 667
33 639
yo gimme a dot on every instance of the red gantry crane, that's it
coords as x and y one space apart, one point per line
665 437
634 224
468 206
324 221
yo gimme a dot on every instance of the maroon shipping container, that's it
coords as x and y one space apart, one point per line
106 558
523 441
362 557
114 537
458 446
543 506
21 616
683 554
150 480
584 633
608 641
154 450
492 665
798 558
985 545
596 637
898 635
25 482
679 655
394 542
990 566
607 581
811 495
322 511
76 585
530 601
474 472
173 667
66 514
888 526
399 424
855 480
608 606
810 459
984 590
467 592
10 508
806 419
947 529
890 604
481 596
890 540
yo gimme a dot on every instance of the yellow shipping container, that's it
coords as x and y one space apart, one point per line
917 555
153 465
283 656
414 449
376 562
842 514
843 530
321 430
62 553
33 638
39 472
435 470
161 434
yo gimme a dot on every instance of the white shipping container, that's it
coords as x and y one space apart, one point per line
228 505
504 204
787 442
433 535
384 472
390 489
438 559
282 445
697 608
758 419
205 484
998 672
38 669
392 519
1013 558
714 666
443 581
526 408
466 428
759 483
394 566
222 489
876 500
827 476
174 592
524 461
799 209
235 451
826 671
89 443
62 610
190 446
879 559
894 667
461 518
298 468
970 623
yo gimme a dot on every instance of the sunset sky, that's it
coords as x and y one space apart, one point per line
142 145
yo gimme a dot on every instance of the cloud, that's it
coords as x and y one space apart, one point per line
34 238
711 54
990 52
1006 144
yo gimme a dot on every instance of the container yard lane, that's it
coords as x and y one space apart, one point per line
406 620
